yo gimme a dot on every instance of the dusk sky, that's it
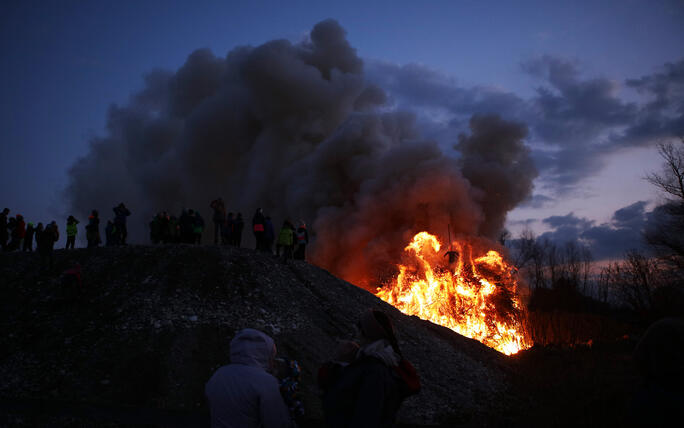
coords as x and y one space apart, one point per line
598 84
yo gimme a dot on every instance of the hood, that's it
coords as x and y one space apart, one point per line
252 348
383 351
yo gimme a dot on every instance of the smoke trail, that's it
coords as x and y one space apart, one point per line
295 129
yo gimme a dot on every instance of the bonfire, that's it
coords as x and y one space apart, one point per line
475 296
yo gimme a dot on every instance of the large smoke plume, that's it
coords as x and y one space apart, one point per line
296 129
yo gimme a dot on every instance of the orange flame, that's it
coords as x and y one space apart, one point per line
474 297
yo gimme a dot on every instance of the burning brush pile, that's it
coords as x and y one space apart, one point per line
302 131
474 295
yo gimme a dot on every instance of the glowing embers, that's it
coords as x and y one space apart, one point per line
474 297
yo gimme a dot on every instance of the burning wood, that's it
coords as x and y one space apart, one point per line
475 297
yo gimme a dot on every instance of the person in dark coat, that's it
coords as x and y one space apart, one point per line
237 230
39 231
93 230
28 238
197 228
269 235
219 218
658 357
3 228
120 214
110 234
369 391
18 233
228 230
301 241
259 229
47 243
187 219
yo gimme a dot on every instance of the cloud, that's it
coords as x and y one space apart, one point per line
575 122
606 241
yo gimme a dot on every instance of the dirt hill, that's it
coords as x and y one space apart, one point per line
151 324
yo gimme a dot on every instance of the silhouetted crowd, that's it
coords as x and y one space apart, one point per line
16 234
290 242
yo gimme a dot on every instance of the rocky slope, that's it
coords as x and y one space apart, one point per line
151 324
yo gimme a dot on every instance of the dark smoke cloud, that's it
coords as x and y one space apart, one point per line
298 130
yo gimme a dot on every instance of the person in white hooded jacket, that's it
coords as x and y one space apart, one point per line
243 394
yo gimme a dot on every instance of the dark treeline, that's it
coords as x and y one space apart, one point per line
573 299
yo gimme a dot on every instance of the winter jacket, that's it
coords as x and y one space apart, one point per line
120 214
71 229
242 394
93 229
369 391
286 236
258 223
20 228
219 211
48 237
302 236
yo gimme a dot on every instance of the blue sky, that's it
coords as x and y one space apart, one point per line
65 62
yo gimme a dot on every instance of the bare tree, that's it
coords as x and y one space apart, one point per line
665 232
633 280
671 179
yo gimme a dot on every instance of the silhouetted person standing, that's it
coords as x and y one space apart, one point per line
658 356
238 226
28 238
18 233
228 230
110 235
93 230
3 228
369 391
197 228
47 243
39 231
302 239
120 214
269 235
285 240
259 229
71 231
219 218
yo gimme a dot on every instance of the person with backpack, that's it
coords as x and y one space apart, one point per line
301 240
71 231
93 229
370 390
259 229
244 393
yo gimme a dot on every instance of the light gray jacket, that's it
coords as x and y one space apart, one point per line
243 394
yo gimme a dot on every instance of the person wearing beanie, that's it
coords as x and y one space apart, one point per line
369 391
244 393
